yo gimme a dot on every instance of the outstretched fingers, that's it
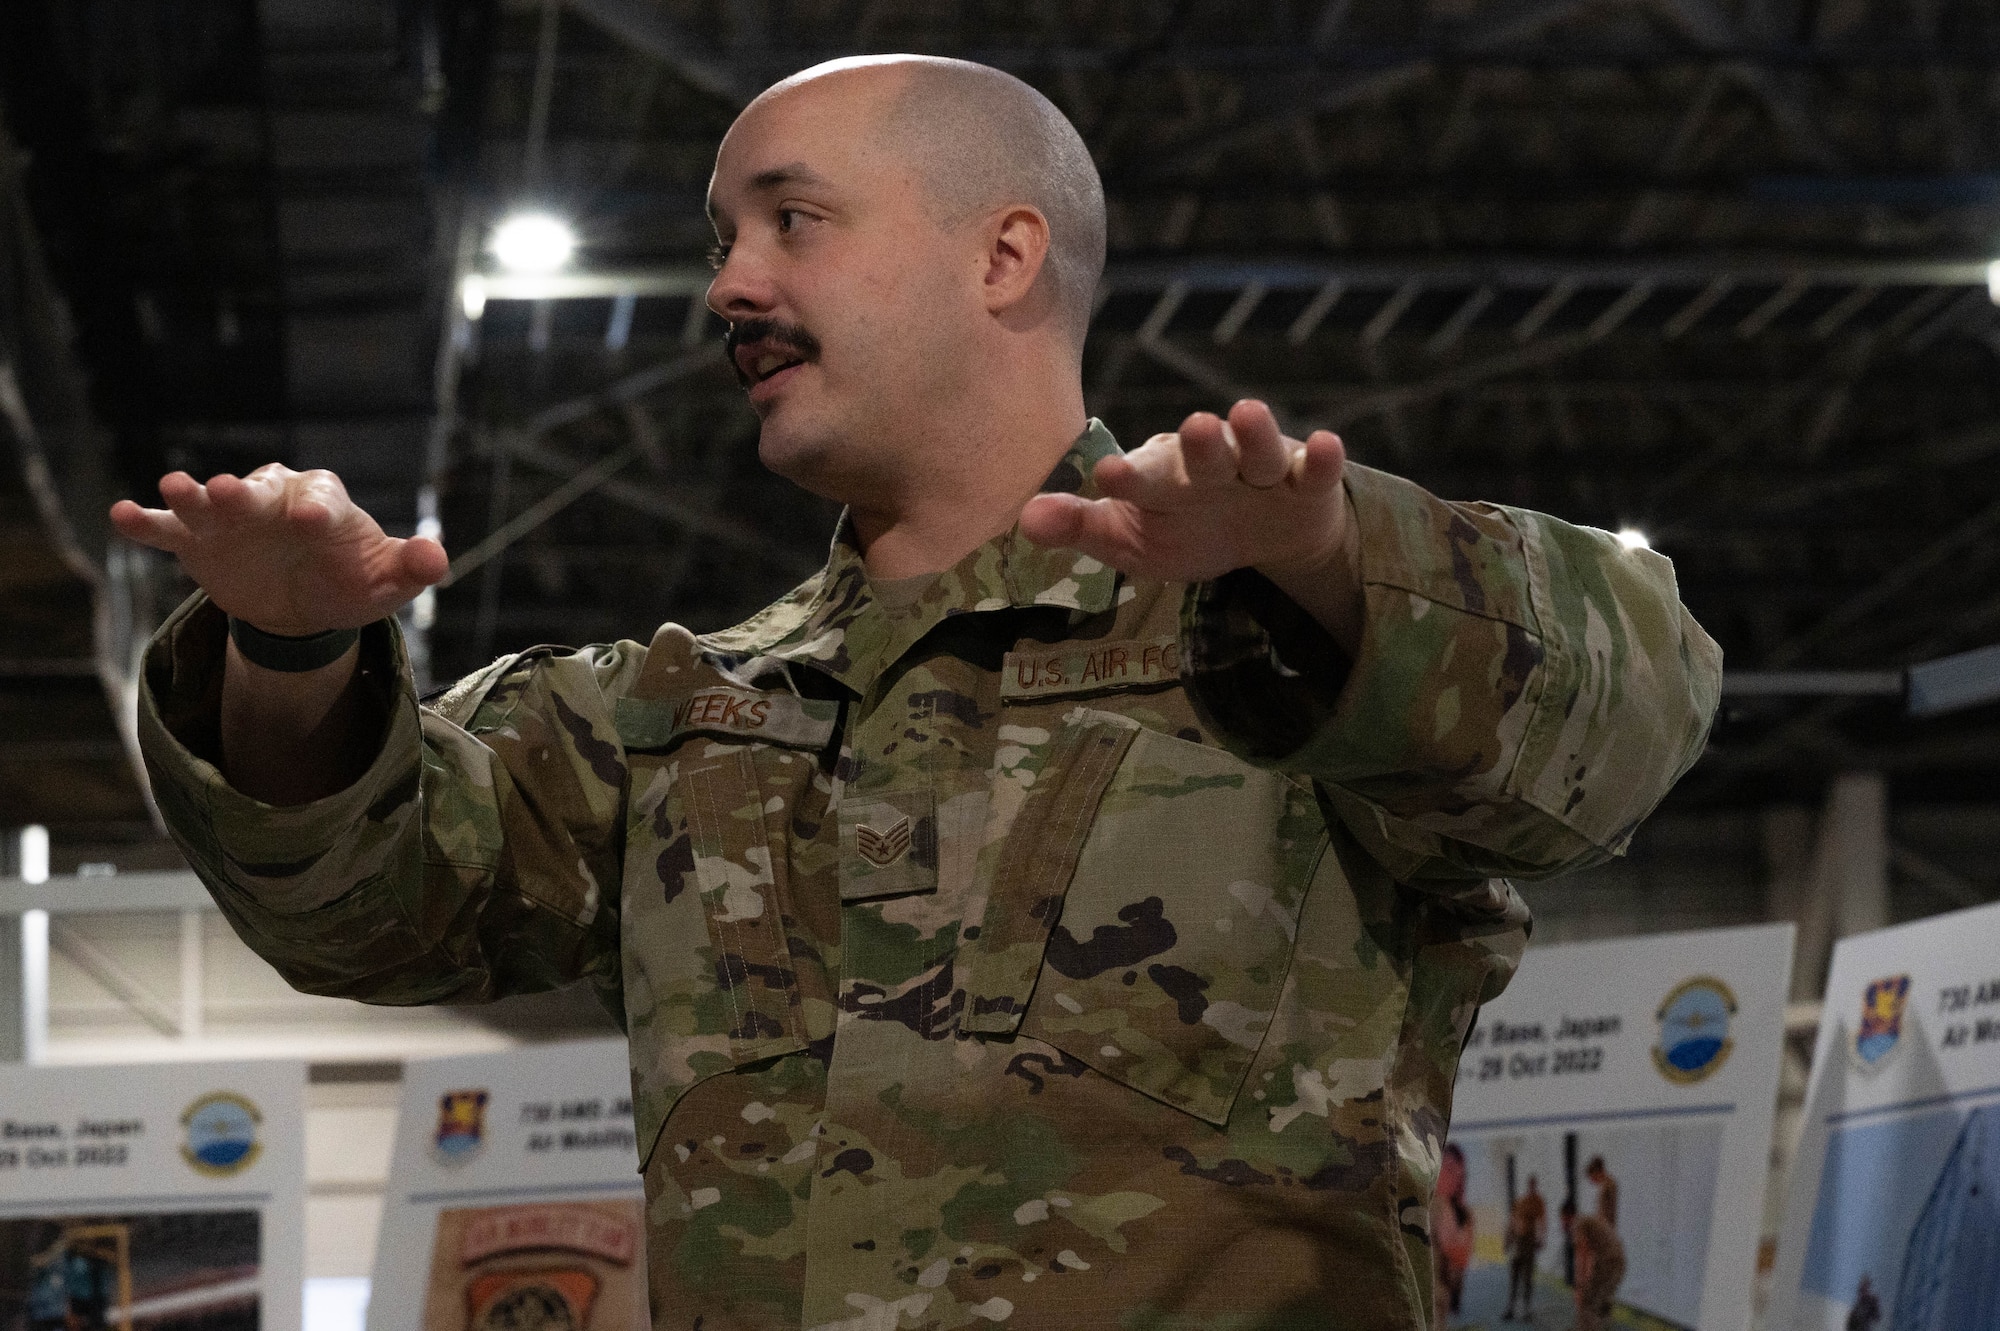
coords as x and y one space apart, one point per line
1320 463
234 498
155 527
188 498
1208 449
422 561
1100 528
395 570
1263 455
315 499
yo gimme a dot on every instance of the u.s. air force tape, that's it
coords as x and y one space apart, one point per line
775 718
1088 667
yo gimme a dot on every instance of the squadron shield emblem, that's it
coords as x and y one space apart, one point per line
221 1130
461 1129
1694 1030
1883 1003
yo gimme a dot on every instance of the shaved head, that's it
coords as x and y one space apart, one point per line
981 139
907 251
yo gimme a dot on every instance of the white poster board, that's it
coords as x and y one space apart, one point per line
1896 1181
514 1196
1658 1055
167 1191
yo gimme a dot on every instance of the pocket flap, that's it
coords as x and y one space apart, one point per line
740 889
1165 968
1035 866
710 981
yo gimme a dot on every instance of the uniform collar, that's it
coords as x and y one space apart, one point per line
833 623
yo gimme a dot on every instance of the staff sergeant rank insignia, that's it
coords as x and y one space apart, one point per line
883 849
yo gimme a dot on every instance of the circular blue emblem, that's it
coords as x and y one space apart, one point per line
221 1134
1694 1030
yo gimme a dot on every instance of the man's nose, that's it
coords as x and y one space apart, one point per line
739 290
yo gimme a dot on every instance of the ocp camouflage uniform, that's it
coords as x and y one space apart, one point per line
1060 950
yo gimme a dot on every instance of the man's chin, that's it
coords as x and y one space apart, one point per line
802 454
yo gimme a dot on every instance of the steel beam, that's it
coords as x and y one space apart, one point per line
1812 684
649 28
1889 585
659 503
68 894
1314 273
571 490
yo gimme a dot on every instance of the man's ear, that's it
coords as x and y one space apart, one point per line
1017 245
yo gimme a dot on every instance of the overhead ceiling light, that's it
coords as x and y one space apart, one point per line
1993 281
472 295
34 853
533 243
1633 539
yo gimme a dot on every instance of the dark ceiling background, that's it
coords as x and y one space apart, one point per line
1710 268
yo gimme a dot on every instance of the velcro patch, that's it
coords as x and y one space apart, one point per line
1079 668
775 718
888 843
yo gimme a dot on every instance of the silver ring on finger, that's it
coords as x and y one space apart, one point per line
1291 461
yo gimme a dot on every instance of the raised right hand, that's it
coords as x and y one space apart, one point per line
284 550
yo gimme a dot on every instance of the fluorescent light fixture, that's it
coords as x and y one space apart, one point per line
34 844
533 243
1993 281
1950 683
1633 539
472 295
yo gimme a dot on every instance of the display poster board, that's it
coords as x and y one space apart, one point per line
514 1197
161 1195
1892 1218
1658 1056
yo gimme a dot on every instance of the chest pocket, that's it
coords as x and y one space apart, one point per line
710 980
1164 966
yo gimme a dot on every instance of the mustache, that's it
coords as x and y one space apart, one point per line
791 337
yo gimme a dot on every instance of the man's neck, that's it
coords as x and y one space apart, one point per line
997 461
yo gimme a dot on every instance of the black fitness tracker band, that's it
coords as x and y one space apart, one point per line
275 651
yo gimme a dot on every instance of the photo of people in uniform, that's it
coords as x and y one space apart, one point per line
555 1266
1906 1229
1582 1229
178 1271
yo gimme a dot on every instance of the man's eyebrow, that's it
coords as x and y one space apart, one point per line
792 173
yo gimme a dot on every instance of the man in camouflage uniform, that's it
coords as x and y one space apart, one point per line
1064 910
1600 1268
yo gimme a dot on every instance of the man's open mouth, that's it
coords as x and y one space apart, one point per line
762 349
758 364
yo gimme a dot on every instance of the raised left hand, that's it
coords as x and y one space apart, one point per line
1218 495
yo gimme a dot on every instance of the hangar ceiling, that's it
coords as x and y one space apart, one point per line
1714 269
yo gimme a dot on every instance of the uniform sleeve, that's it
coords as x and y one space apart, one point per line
477 856
1526 690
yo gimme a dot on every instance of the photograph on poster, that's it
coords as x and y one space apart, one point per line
1906 1229
1892 1219
1509 1257
516 1204
158 1271
568 1266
